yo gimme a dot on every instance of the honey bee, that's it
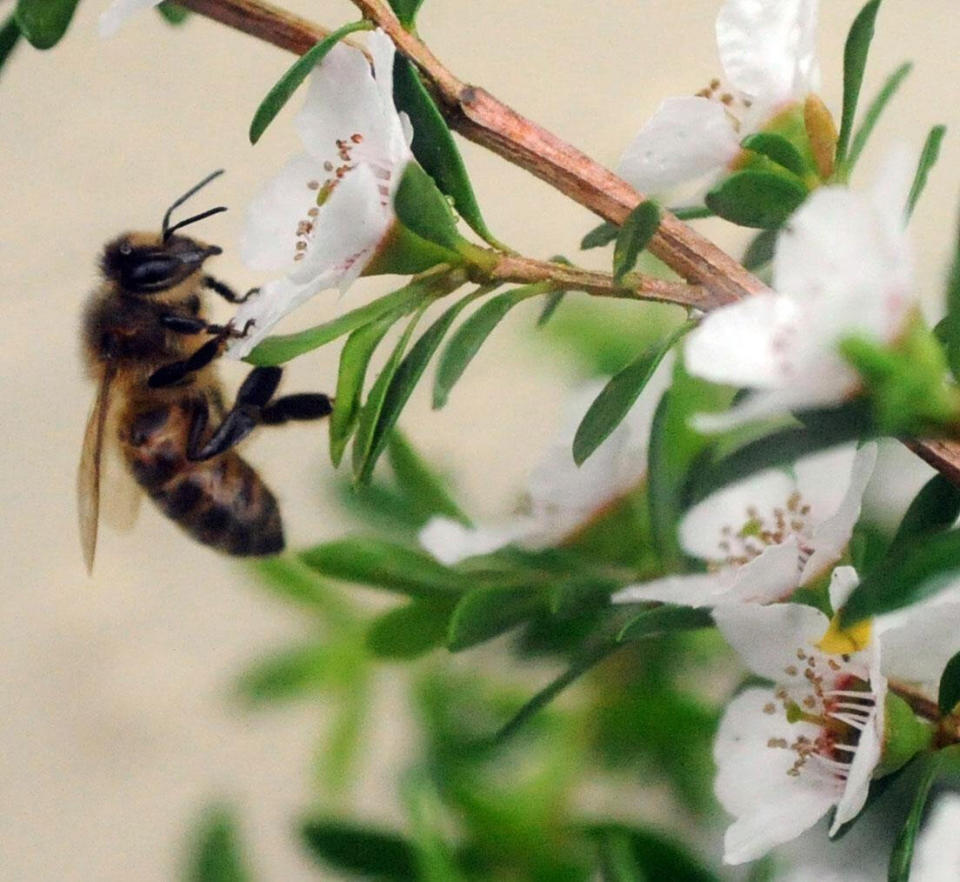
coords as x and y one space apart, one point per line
151 351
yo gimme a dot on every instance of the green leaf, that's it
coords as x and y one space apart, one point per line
44 22
409 631
9 37
760 251
173 13
855 54
423 489
657 856
216 855
778 149
690 212
289 579
406 11
615 400
354 358
757 198
435 858
616 858
385 565
423 209
434 147
469 337
902 854
289 674
485 613
949 693
920 567
284 88
277 350
374 854
550 307
599 236
635 234
936 507
951 322
662 619
874 112
928 159
404 380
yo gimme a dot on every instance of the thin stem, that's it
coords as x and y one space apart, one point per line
919 703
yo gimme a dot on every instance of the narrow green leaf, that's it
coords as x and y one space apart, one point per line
550 307
599 236
289 579
216 855
936 507
949 693
919 568
406 11
928 159
485 613
902 855
951 322
283 347
778 149
354 358
423 489
405 379
44 22
428 816
374 854
469 337
173 13
615 400
757 199
875 110
760 251
385 565
423 209
434 147
691 212
855 53
635 234
288 674
9 37
616 858
409 631
284 88
656 855
662 619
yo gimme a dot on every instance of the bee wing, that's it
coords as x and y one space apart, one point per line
88 474
121 494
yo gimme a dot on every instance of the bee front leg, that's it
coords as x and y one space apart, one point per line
225 291
174 372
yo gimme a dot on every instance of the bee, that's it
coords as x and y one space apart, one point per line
159 403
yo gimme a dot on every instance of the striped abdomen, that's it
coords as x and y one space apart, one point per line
221 502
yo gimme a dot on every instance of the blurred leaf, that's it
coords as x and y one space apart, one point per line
354 359
284 88
283 347
902 855
934 508
664 618
433 144
424 490
369 853
469 337
868 547
434 857
690 212
9 37
855 52
550 305
409 631
616 858
406 11
581 592
405 379
951 322
422 209
874 111
173 13
337 758
757 198
599 236
216 854
760 251
485 613
291 580
288 674
634 236
385 565
919 568
949 692
658 857
44 22
928 159
619 395
778 149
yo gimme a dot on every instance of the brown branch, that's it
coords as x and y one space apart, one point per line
919 703
480 117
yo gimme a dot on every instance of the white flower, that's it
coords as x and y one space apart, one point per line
767 535
842 267
937 854
118 12
561 495
321 219
768 55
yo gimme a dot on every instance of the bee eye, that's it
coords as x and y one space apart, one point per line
125 248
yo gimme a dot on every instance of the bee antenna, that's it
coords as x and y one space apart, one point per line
165 226
190 220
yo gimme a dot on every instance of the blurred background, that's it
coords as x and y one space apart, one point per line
119 717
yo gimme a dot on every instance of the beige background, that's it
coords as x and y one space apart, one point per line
115 727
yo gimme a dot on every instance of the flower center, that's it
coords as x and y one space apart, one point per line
742 544
736 105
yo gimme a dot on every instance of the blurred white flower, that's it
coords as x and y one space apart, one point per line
842 267
118 12
322 218
767 535
767 50
562 496
937 854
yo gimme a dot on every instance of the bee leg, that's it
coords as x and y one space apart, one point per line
225 291
177 370
242 418
302 406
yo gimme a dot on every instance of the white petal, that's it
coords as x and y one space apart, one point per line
937 854
823 479
752 783
696 590
767 637
771 576
118 12
685 139
450 541
831 537
768 48
918 650
399 130
842 582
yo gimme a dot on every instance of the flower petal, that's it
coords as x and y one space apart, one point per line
118 12
842 582
695 589
768 48
685 139
918 650
450 541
